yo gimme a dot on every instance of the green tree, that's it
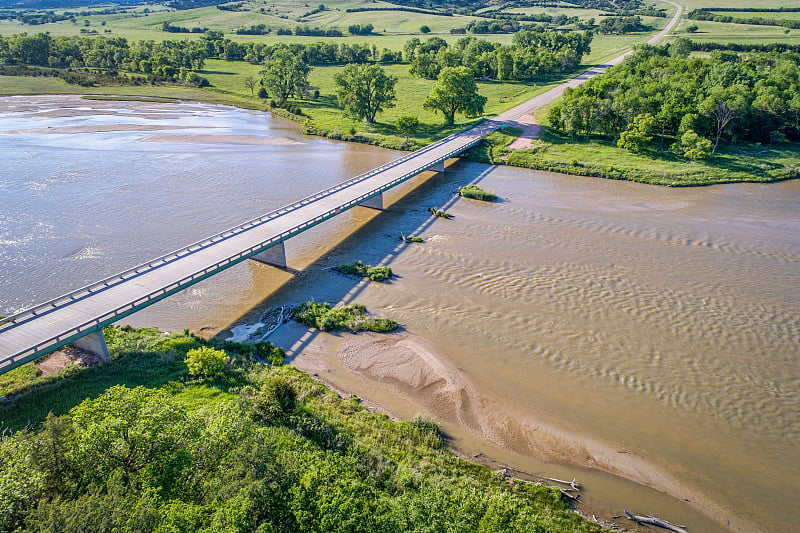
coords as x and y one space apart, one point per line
407 125
364 90
206 362
638 134
723 104
285 74
425 29
251 83
455 92
149 436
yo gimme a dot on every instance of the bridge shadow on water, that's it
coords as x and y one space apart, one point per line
376 242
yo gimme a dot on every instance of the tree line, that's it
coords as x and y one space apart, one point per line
661 93
169 59
531 54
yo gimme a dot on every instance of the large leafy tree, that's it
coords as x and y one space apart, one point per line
285 74
364 90
455 92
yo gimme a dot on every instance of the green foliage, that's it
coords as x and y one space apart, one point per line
531 54
351 317
273 402
206 362
285 74
364 90
455 92
407 125
424 29
360 269
739 96
693 147
439 213
638 134
285 454
476 193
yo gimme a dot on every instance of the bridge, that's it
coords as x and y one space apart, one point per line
78 317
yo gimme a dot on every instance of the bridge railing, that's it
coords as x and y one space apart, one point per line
13 320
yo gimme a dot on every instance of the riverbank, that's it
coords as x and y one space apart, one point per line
550 152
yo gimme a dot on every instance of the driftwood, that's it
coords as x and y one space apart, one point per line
653 521
573 486
282 318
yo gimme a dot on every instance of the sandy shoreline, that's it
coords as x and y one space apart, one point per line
400 374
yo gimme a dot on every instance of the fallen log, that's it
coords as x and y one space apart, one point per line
654 521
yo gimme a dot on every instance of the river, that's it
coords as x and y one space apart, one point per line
578 328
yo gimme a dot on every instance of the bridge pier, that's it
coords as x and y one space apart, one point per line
438 167
376 202
94 343
275 256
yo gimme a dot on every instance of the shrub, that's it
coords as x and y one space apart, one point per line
360 269
275 401
425 29
351 317
693 146
476 193
439 213
206 362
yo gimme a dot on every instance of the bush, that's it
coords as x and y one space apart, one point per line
692 29
351 317
360 269
262 93
425 29
476 193
693 146
439 213
206 362
275 401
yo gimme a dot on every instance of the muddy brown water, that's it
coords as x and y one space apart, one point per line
579 328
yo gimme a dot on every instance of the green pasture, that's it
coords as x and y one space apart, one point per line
784 15
411 93
737 33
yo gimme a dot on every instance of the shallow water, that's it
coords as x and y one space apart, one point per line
644 330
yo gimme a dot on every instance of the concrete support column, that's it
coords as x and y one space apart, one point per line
376 202
275 256
438 167
94 343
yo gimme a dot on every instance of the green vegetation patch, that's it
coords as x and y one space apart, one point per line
476 193
351 317
438 213
381 273
258 449
494 146
599 158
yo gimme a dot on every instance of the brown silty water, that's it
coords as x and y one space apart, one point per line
604 330
645 332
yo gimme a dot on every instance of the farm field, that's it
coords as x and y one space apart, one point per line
737 33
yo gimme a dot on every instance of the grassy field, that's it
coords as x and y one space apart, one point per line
737 33
730 4
411 93
13 85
